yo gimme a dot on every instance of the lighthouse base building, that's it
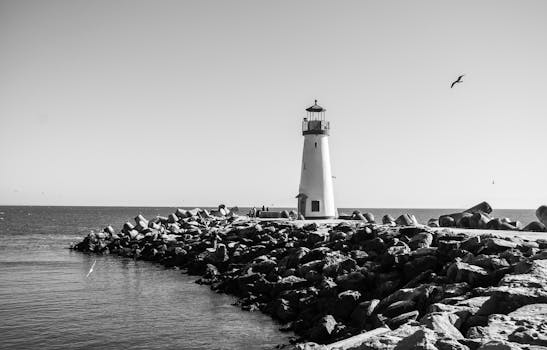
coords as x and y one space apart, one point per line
315 193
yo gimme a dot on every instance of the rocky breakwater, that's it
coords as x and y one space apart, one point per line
328 282
479 217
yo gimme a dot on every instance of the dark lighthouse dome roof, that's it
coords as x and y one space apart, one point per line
315 108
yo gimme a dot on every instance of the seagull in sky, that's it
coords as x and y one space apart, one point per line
91 269
459 80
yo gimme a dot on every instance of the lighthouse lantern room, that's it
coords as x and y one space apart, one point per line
315 194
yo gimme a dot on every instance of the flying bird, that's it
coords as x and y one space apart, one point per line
459 80
91 269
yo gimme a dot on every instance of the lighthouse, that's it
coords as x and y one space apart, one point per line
315 194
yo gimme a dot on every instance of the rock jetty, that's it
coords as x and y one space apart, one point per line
479 217
361 284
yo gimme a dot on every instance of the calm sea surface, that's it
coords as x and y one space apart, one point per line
47 302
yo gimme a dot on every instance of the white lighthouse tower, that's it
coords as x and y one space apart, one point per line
315 194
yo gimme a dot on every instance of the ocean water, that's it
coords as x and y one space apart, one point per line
47 302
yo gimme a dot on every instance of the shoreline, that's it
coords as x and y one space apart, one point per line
331 280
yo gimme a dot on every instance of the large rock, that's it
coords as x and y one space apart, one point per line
346 303
526 325
352 281
388 220
406 220
496 245
481 207
532 325
422 339
389 340
262 264
295 256
541 214
535 226
323 329
289 282
462 272
401 319
421 240
399 307
500 345
447 221
531 274
442 323
479 220
504 300
283 310
362 313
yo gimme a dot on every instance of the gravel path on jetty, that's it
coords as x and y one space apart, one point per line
360 285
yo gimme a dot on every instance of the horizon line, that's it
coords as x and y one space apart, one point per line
231 206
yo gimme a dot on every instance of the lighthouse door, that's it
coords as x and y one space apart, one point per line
302 204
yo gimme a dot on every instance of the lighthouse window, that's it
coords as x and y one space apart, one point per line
314 205
316 145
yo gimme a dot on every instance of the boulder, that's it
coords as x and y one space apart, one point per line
388 220
172 218
479 220
529 274
181 213
369 217
450 344
462 272
442 323
534 226
421 240
422 339
399 307
323 329
319 253
390 340
406 220
494 224
295 256
504 299
289 282
127 227
363 312
525 326
283 310
397 321
447 221
481 207
358 216
472 244
316 265
352 281
531 322
263 264
327 287
455 289
433 223
420 264
541 214
499 345
141 223
346 303
376 245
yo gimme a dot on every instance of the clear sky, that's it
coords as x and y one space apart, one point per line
182 103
